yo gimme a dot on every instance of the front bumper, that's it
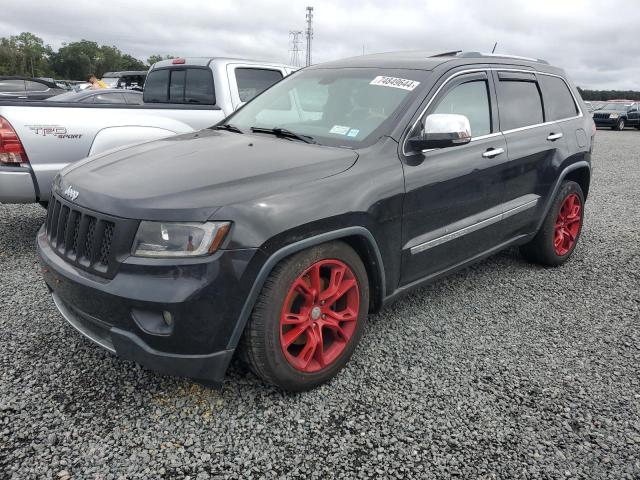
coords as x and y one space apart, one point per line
16 185
606 122
204 297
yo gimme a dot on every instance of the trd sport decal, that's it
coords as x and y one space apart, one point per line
53 131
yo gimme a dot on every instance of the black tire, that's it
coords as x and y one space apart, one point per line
261 348
542 249
620 125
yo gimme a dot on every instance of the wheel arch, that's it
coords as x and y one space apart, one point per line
577 172
358 238
582 176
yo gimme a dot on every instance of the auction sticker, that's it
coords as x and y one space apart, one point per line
339 129
394 82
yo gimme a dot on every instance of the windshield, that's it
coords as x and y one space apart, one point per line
614 106
345 107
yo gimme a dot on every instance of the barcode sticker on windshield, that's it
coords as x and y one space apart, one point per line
394 82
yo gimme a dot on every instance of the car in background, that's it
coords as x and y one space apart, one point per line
129 80
112 95
27 88
617 115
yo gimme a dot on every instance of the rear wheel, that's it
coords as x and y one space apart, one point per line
309 317
560 231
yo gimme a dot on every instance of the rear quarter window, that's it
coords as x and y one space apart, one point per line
558 101
519 103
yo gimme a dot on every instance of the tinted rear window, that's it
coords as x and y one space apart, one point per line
558 101
253 81
180 85
520 104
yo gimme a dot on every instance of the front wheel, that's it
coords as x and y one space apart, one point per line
560 231
620 125
309 317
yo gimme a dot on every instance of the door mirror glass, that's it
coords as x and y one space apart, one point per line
442 130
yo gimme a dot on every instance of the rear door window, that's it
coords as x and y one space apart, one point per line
253 81
558 101
180 85
520 104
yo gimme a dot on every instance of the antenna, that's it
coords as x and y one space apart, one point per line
295 37
309 33
494 47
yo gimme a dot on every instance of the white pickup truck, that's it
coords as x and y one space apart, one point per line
38 139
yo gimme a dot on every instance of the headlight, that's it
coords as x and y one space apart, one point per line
614 115
160 239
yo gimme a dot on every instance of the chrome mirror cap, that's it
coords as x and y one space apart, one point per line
447 126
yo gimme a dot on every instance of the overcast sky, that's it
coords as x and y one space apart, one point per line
597 42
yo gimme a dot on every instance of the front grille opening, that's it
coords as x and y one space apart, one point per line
74 237
105 246
88 239
62 227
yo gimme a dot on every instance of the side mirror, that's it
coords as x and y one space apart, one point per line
441 130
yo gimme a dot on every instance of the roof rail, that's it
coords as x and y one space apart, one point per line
452 53
463 54
500 55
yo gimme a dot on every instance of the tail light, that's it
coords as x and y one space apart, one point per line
11 149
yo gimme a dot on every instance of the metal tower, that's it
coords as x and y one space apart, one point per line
309 33
295 35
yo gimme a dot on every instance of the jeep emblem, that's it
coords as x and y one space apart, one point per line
71 193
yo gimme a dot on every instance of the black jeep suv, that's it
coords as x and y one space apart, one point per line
276 232
617 115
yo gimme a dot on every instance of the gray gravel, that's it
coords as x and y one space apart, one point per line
505 370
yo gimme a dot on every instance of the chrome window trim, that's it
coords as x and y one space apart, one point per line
500 132
473 228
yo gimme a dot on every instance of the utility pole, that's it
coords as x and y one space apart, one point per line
295 35
309 33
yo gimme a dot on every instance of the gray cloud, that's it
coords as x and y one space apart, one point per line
595 42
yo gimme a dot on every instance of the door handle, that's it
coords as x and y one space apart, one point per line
493 152
554 136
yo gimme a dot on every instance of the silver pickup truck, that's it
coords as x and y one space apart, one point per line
38 139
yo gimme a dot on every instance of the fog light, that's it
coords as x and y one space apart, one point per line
153 322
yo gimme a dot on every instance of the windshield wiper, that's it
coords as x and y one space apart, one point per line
283 132
229 127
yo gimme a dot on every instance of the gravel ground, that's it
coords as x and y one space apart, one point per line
505 370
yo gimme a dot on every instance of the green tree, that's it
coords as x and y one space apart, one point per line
25 54
156 58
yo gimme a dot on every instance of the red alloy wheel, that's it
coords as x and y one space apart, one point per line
319 315
567 225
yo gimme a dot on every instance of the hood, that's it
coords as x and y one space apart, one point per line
188 177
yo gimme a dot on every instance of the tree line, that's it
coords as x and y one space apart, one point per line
27 55
595 95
